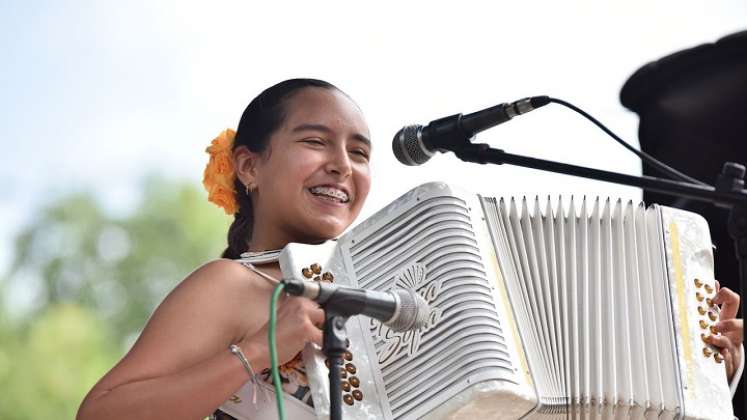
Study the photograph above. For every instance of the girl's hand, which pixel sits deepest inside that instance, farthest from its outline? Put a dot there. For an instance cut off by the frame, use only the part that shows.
(730, 329)
(299, 321)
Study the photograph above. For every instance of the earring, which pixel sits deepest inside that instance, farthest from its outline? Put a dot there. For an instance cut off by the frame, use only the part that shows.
(250, 187)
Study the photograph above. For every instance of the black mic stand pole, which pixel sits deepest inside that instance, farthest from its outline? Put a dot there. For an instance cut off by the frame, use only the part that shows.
(334, 348)
(334, 342)
(728, 193)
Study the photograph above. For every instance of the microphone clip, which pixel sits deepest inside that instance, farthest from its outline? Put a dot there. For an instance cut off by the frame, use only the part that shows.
(451, 131)
(476, 153)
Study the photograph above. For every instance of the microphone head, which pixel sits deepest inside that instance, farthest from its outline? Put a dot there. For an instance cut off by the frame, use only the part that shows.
(408, 146)
(413, 311)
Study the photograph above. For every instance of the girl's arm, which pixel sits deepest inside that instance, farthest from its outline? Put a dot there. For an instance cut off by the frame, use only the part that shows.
(180, 366)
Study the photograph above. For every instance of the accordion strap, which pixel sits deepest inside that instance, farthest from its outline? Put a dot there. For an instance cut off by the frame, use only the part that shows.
(738, 374)
(261, 257)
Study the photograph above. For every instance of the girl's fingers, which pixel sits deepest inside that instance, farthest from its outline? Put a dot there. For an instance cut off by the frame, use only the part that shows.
(318, 338)
(316, 315)
(729, 302)
(726, 348)
(720, 341)
(729, 361)
(732, 328)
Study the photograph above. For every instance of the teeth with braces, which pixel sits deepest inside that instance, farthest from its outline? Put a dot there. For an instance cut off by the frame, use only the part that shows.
(330, 192)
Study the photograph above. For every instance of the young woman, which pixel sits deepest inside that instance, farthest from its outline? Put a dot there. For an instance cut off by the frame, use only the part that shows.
(298, 168)
(295, 171)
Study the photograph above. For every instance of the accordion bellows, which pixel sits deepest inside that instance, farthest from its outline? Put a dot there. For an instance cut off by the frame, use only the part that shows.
(586, 310)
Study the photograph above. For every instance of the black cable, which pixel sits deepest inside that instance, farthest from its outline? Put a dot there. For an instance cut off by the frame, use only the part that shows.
(646, 158)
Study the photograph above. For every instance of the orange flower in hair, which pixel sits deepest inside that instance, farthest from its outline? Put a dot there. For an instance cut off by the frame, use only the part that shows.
(219, 175)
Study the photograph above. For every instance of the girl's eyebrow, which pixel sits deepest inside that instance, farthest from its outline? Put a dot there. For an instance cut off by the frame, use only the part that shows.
(323, 128)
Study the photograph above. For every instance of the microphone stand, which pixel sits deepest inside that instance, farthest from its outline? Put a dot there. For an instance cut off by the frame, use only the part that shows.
(334, 341)
(728, 193)
(334, 348)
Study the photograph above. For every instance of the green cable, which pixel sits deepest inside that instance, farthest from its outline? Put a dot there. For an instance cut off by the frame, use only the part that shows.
(274, 351)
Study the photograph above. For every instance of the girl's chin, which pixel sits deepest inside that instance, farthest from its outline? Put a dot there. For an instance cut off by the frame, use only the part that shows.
(325, 229)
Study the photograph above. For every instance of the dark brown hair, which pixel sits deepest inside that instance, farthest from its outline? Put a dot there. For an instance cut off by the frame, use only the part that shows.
(260, 119)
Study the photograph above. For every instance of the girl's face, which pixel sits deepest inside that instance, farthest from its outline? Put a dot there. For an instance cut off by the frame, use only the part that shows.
(314, 177)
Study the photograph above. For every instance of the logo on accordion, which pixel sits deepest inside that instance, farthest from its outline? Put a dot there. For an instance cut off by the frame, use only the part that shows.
(407, 342)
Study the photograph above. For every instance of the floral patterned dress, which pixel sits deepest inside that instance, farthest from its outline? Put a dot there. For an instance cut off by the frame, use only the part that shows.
(294, 383)
(292, 374)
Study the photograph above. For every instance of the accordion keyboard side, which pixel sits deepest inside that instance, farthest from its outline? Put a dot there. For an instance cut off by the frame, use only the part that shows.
(463, 354)
(690, 270)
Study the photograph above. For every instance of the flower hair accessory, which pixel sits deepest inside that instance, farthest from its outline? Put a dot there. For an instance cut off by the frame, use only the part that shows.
(219, 174)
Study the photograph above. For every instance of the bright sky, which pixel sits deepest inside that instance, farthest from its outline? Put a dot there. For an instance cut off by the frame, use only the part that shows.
(96, 93)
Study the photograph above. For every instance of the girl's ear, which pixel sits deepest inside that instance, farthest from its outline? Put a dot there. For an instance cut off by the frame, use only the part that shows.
(245, 162)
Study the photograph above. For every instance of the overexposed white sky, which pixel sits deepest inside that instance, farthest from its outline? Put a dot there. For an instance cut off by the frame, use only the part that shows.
(96, 93)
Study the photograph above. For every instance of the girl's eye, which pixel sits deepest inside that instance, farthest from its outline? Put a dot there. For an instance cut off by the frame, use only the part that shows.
(362, 153)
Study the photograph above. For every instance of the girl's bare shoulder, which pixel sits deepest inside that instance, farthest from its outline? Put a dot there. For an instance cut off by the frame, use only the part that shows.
(223, 280)
(216, 293)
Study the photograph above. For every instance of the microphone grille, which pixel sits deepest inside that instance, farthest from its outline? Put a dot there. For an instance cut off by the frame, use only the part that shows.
(413, 311)
(408, 148)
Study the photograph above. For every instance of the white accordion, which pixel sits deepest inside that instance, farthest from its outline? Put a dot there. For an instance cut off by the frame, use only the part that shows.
(597, 312)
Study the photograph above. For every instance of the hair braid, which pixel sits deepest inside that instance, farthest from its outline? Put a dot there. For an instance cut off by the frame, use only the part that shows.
(240, 230)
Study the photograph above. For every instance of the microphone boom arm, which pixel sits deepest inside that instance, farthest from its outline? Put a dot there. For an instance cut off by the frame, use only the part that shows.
(483, 154)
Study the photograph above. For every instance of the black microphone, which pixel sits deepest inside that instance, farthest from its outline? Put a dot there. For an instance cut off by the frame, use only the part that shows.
(414, 144)
(399, 309)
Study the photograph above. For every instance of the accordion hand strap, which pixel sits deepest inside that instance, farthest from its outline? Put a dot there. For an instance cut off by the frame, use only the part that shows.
(738, 374)
(261, 257)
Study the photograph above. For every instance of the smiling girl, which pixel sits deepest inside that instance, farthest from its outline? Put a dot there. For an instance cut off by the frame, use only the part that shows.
(296, 170)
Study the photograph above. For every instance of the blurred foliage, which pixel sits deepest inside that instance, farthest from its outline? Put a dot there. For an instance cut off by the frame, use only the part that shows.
(96, 279)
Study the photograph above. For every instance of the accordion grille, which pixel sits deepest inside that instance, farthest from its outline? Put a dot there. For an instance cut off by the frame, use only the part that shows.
(433, 249)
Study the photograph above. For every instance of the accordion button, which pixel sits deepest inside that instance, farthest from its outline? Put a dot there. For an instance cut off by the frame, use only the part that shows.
(316, 268)
(702, 310)
(355, 381)
(707, 352)
(704, 338)
(698, 283)
(703, 324)
(717, 357)
(306, 273)
(348, 399)
(698, 296)
(351, 368)
(713, 329)
(327, 276)
(709, 301)
(712, 316)
(708, 289)
(357, 394)
(348, 356)
(346, 386)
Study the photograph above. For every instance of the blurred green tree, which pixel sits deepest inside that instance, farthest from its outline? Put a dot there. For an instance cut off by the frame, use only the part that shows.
(95, 279)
